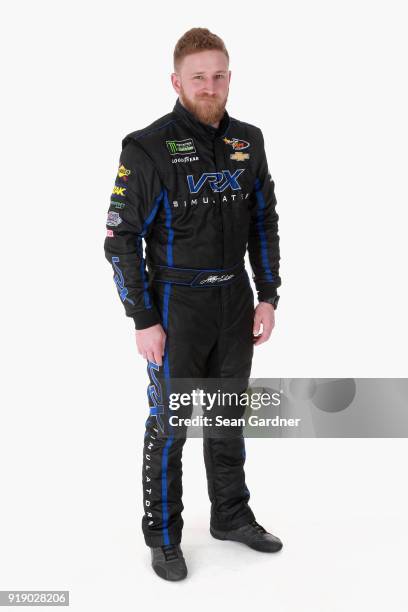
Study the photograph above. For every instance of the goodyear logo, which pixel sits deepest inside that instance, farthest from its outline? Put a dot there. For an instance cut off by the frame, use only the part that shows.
(123, 172)
(177, 147)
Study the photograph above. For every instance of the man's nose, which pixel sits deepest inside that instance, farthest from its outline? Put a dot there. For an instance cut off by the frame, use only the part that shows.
(209, 88)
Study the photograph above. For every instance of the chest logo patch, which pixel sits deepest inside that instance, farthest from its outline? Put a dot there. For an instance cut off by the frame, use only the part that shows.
(177, 147)
(238, 156)
(236, 143)
(218, 181)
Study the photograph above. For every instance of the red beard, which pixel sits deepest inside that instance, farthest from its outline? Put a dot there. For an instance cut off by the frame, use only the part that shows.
(207, 109)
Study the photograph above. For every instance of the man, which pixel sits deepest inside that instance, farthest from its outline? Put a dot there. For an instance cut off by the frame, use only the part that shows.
(195, 186)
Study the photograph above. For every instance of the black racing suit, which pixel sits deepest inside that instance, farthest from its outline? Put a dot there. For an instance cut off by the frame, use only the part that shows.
(199, 196)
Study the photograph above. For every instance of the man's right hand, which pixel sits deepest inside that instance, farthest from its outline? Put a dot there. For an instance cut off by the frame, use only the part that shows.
(150, 343)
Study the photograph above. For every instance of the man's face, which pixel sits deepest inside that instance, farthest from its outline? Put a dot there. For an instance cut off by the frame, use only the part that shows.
(202, 84)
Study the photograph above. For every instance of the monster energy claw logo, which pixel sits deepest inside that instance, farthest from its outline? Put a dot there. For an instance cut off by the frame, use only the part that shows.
(180, 146)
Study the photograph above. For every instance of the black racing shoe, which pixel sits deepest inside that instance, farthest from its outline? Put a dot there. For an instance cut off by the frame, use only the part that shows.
(168, 562)
(252, 534)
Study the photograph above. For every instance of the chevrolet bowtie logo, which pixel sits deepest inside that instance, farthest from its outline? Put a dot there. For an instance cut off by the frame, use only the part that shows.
(238, 156)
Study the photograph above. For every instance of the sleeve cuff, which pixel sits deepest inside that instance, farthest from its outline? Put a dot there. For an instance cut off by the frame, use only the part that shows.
(146, 318)
(267, 292)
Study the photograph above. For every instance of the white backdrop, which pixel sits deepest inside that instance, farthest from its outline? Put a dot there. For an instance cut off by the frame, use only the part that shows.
(326, 82)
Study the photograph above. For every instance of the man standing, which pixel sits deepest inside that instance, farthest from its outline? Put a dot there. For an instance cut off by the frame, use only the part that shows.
(195, 186)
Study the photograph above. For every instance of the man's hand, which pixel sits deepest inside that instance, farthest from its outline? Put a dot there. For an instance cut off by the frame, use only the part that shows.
(150, 343)
(265, 315)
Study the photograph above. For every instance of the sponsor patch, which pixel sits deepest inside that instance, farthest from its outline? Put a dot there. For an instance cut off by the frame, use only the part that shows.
(218, 181)
(236, 143)
(109, 234)
(119, 205)
(123, 173)
(175, 147)
(113, 219)
(187, 159)
(119, 191)
(238, 156)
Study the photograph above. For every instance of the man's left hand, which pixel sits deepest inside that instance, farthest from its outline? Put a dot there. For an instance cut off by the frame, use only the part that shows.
(264, 315)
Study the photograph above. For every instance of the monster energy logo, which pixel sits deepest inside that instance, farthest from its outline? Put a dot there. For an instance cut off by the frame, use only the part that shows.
(180, 146)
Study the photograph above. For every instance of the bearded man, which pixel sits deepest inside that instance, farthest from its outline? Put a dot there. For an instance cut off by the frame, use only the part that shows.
(195, 186)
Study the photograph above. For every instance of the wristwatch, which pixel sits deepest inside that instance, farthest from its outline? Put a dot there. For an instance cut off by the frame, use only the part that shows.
(272, 300)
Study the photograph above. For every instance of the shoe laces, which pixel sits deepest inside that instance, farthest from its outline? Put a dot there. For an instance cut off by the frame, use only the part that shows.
(170, 552)
(258, 527)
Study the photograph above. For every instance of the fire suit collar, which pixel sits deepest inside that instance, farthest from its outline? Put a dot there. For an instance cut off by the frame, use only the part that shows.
(202, 128)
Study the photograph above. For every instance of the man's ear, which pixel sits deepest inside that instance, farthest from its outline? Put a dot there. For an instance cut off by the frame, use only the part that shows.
(175, 81)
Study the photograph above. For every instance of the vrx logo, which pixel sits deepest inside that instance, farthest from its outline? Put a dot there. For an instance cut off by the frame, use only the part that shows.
(155, 394)
(120, 282)
(219, 181)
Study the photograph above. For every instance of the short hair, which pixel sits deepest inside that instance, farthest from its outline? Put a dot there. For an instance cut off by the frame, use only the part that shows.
(194, 40)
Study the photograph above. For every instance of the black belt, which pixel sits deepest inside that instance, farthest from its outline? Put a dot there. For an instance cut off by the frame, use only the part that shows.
(195, 277)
